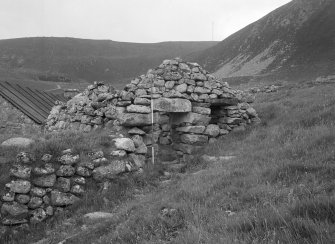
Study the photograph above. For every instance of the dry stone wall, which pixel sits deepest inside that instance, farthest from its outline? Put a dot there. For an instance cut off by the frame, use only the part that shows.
(13, 121)
(41, 188)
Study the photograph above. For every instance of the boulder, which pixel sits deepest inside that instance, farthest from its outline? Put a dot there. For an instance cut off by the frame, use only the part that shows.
(63, 184)
(38, 215)
(109, 171)
(125, 144)
(35, 202)
(138, 160)
(65, 170)
(20, 171)
(63, 199)
(17, 142)
(23, 199)
(83, 171)
(174, 105)
(37, 192)
(68, 159)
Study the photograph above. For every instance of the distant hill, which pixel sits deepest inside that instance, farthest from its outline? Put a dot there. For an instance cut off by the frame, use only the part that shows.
(295, 40)
(72, 60)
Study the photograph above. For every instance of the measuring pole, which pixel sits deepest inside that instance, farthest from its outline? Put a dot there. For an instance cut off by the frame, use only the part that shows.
(152, 124)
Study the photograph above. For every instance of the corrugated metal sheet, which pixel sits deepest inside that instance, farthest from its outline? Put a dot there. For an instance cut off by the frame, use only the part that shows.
(35, 104)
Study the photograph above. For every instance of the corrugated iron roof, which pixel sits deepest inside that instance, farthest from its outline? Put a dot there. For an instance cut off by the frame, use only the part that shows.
(34, 103)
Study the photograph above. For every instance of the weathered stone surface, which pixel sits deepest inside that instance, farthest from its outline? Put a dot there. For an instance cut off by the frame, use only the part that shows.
(19, 186)
(12, 222)
(45, 181)
(212, 130)
(46, 170)
(252, 112)
(35, 202)
(46, 158)
(141, 101)
(138, 160)
(77, 189)
(79, 180)
(83, 171)
(109, 171)
(8, 196)
(38, 215)
(37, 192)
(94, 217)
(63, 199)
(141, 149)
(14, 210)
(136, 131)
(65, 170)
(194, 139)
(63, 184)
(181, 88)
(193, 118)
(201, 110)
(99, 161)
(49, 210)
(201, 90)
(23, 199)
(20, 171)
(169, 84)
(197, 129)
(119, 153)
(125, 144)
(24, 158)
(138, 109)
(68, 159)
(175, 105)
(18, 142)
(135, 119)
(87, 164)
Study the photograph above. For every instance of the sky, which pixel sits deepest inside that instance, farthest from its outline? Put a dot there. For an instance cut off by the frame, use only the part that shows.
(144, 21)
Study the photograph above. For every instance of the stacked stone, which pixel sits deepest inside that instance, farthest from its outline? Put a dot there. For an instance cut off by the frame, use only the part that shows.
(85, 111)
(35, 193)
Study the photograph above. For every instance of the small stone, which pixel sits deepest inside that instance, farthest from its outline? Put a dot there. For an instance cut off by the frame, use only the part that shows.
(141, 149)
(19, 186)
(20, 171)
(49, 210)
(24, 158)
(138, 109)
(45, 181)
(46, 170)
(109, 171)
(77, 189)
(68, 159)
(67, 151)
(79, 180)
(38, 215)
(169, 84)
(181, 88)
(87, 164)
(96, 155)
(46, 158)
(65, 170)
(46, 200)
(83, 171)
(63, 199)
(138, 160)
(63, 184)
(136, 131)
(23, 199)
(94, 217)
(35, 202)
(212, 130)
(119, 153)
(142, 101)
(8, 197)
(194, 139)
(14, 209)
(99, 161)
(37, 191)
(201, 110)
(125, 144)
(224, 132)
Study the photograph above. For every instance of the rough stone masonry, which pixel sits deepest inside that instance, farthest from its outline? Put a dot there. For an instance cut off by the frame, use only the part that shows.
(190, 108)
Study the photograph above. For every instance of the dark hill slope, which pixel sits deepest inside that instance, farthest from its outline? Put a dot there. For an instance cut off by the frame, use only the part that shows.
(58, 59)
(295, 39)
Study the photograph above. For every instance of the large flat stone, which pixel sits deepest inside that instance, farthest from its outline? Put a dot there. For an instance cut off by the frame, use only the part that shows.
(174, 105)
(135, 119)
(193, 118)
(198, 129)
(194, 139)
(109, 171)
(18, 142)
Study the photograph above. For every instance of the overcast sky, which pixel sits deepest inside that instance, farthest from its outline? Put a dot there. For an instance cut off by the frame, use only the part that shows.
(131, 20)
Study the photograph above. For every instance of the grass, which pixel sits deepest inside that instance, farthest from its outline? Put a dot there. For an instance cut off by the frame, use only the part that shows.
(279, 189)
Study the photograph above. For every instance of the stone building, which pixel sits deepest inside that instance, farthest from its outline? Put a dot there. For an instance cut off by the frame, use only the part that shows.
(23, 111)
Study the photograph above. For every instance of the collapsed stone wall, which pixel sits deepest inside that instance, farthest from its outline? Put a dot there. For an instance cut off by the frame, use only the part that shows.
(13, 121)
(190, 107)
(41, 188)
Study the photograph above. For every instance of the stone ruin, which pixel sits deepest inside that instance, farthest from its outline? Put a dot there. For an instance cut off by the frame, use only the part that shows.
(190, 108)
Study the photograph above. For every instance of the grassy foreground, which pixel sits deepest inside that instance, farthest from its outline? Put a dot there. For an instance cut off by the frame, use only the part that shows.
(279, 188)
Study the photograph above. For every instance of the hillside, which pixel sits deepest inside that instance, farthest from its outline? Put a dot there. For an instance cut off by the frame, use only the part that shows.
(296, 40)
(72, 60)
